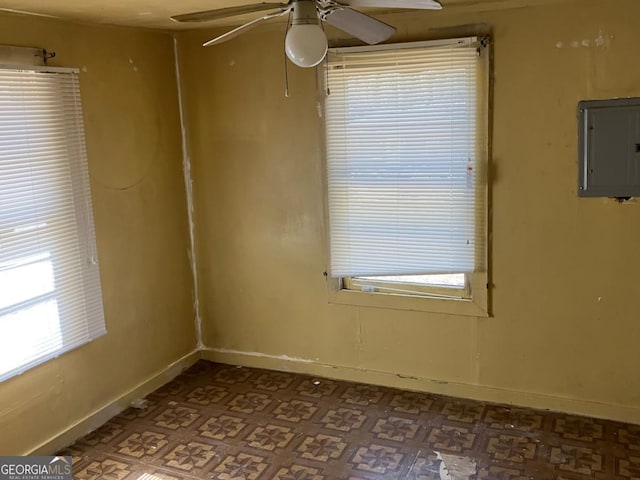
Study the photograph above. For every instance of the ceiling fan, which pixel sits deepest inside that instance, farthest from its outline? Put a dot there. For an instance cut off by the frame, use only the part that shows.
(305, 42)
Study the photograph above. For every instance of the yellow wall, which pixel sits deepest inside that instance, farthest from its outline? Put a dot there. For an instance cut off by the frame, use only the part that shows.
(566, 329)
(135, 162)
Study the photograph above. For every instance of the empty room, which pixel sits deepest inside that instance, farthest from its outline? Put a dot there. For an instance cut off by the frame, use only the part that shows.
(319, 239)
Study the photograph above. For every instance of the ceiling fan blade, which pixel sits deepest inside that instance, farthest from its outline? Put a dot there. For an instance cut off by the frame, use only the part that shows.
(359, 25)
(417, 4)
(244, 28)
(207, 15)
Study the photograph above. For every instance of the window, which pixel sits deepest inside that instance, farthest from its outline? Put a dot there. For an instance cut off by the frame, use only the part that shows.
(50, 300)
(406, 141)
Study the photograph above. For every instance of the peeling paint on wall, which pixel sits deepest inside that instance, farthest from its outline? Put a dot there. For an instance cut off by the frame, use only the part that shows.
(188, 183)
(601, 41)
(285, 358)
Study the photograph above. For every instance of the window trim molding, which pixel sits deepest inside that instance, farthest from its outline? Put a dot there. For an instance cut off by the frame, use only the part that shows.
(479, 305)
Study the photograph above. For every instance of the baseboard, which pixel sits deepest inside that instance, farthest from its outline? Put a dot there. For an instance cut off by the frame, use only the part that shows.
(620, 413)
(114, 407)
(284, 363)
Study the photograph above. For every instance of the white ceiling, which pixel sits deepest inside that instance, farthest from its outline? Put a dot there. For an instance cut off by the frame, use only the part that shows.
(156, 13)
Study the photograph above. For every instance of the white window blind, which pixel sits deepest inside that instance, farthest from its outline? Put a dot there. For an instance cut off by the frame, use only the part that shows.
(50, 298)
(404, 193)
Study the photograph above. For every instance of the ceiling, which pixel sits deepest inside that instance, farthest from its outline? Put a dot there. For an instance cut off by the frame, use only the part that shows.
(156, 13)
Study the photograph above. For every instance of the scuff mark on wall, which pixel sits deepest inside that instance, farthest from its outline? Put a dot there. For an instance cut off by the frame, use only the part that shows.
(286, 358)
(188, 183)
(27, 12)
(601, 41)
(359, 343)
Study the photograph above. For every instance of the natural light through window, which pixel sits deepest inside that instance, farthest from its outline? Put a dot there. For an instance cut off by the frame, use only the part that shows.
(28, 309)
(50, 299)
(453, 280)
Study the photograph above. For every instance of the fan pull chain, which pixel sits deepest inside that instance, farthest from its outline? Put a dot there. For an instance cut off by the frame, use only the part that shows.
(286, 67)
(326, 65)
(286, 78)
(326, 72)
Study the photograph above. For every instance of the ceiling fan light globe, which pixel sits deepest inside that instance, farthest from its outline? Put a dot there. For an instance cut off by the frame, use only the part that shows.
(306, 45)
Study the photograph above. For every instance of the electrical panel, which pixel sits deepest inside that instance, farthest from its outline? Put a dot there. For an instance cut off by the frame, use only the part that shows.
(609, 148)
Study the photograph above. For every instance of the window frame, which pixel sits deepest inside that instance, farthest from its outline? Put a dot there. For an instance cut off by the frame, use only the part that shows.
(476, 301)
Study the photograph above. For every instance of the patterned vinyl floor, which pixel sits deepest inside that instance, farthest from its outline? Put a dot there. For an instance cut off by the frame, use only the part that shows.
(223, 422)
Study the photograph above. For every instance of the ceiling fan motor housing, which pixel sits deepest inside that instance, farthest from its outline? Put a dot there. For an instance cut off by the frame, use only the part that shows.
(305, 13)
